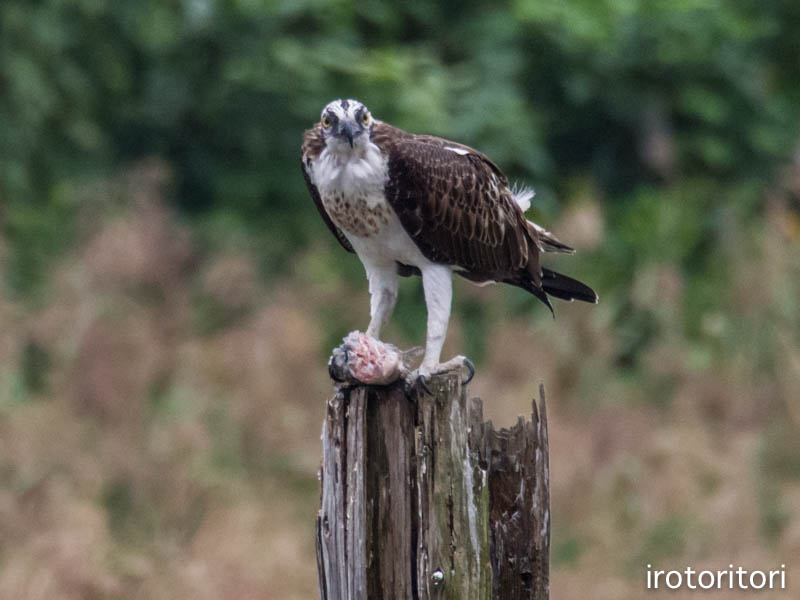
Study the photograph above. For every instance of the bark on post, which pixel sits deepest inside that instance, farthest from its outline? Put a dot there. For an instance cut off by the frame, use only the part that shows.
(422, 499)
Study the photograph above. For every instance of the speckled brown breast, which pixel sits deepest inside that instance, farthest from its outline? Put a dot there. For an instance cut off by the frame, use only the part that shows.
(354, 215)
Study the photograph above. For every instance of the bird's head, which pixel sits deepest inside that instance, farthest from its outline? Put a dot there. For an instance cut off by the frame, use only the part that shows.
(345, 125)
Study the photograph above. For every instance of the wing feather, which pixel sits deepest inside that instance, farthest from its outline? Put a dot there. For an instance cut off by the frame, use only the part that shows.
(456, 205)
(312, 146)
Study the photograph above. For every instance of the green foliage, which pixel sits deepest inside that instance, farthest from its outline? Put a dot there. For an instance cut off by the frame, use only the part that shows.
(117, 498)
(665, 538)
(778, 463)
(780, 453)
(223, 91)
(567, 552)
(35, 364)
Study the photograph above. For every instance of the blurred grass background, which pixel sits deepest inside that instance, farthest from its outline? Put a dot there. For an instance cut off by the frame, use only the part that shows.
(169, 294)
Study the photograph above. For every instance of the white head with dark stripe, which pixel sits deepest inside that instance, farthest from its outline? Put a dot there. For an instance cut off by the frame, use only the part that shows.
(345, 125)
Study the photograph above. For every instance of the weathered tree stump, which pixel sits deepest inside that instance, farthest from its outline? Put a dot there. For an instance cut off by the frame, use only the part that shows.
(421, 499)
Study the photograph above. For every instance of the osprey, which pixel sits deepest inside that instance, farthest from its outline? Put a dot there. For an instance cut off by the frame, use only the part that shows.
(417, 204)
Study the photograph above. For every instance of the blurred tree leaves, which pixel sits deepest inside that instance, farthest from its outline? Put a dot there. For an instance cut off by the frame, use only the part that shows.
(670, 109)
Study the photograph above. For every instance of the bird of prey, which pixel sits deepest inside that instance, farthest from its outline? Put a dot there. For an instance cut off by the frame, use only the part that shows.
(410, 204)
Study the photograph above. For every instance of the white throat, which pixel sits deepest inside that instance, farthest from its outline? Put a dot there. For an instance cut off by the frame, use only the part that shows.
(361, 170)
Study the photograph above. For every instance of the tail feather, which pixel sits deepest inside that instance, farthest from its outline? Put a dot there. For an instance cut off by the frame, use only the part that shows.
(566, 288)
(546, 241)
(556, 285)
(527, 284)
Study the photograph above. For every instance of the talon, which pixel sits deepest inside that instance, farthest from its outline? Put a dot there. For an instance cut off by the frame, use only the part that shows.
(414, 383)
(333, 371)
(423, 382)
(408, 388)
(471, 366)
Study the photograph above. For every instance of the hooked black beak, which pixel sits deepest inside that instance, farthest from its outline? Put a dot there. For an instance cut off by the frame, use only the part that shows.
(349, 130)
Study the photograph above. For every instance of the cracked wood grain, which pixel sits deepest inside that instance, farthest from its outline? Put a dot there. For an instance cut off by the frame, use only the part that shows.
(422, 499)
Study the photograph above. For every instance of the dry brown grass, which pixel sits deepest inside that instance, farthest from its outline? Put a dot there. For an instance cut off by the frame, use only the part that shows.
(147, 454)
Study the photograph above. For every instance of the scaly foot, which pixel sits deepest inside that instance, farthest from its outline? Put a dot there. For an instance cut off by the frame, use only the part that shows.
(419, 378)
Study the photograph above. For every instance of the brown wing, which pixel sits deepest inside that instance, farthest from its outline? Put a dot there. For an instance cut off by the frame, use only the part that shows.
(456, 206)
(313, 143)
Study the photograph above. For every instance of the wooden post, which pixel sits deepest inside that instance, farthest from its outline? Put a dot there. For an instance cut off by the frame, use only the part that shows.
(421, 499)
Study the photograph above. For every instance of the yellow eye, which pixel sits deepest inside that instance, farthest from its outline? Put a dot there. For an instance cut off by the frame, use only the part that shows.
(365, 118)
(326, 122)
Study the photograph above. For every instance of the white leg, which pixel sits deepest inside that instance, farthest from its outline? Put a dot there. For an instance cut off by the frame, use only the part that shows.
(437, 281)
(383, 295)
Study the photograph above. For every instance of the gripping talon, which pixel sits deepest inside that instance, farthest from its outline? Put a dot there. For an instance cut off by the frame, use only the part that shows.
(415, 383)
(471, 366)
(422, 381)
(331, 372)
(334, 369)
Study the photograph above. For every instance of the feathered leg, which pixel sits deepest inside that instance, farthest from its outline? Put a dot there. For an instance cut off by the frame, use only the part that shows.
(437, 282)
(363, 357)
(383, 295)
